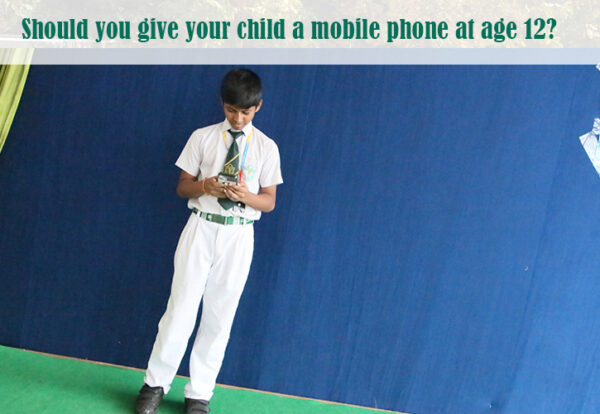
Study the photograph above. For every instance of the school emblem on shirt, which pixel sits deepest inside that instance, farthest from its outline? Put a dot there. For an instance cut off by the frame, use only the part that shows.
(249, 173)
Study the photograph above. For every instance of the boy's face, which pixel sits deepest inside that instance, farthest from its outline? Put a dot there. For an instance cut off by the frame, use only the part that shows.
(240, 117)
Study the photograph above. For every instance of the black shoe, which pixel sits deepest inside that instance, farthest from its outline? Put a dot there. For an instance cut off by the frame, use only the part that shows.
(148, 400)
(196, 406)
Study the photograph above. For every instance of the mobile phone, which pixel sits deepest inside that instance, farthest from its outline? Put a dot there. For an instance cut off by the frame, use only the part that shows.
(228, 179)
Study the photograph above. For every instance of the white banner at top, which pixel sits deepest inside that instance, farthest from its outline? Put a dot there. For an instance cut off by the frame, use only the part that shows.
(296, 24)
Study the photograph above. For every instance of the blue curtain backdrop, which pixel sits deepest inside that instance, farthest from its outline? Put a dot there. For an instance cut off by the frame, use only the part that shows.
(433, 249)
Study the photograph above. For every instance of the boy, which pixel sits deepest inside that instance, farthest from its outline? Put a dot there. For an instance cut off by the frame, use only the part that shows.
(230, 172)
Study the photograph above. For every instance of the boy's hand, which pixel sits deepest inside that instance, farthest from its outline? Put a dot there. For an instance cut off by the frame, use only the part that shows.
(214, 188)
(236, 192)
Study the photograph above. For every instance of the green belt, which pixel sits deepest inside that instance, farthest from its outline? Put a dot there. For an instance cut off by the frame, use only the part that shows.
(216, 218)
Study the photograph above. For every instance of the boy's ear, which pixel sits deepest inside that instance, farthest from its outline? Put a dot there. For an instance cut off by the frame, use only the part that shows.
(258, 106)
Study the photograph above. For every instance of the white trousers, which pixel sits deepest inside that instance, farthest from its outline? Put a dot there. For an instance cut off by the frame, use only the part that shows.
(212, 262)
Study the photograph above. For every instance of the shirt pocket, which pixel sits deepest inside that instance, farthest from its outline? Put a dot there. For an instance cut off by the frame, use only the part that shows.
(251, 170)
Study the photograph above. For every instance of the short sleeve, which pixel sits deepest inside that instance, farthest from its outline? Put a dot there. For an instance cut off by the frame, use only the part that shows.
(189, 159)
(271, 170)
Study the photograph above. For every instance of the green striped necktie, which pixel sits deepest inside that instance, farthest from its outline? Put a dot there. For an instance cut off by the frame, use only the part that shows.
(231, 168)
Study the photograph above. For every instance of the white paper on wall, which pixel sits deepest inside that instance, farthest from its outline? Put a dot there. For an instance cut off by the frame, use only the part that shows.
(591, 145)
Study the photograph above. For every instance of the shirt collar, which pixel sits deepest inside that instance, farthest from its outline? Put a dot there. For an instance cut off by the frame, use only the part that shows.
(247, 129)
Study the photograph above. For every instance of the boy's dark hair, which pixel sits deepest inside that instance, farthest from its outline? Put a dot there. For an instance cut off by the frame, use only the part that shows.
(241, 88)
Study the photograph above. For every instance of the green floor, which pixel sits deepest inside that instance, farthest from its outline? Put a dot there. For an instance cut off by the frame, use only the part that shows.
(34, 383)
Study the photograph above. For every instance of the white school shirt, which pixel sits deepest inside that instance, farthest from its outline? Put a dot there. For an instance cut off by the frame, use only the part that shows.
(204, 156)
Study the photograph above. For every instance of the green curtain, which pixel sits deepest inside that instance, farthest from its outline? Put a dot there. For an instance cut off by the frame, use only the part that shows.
(13, 74)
